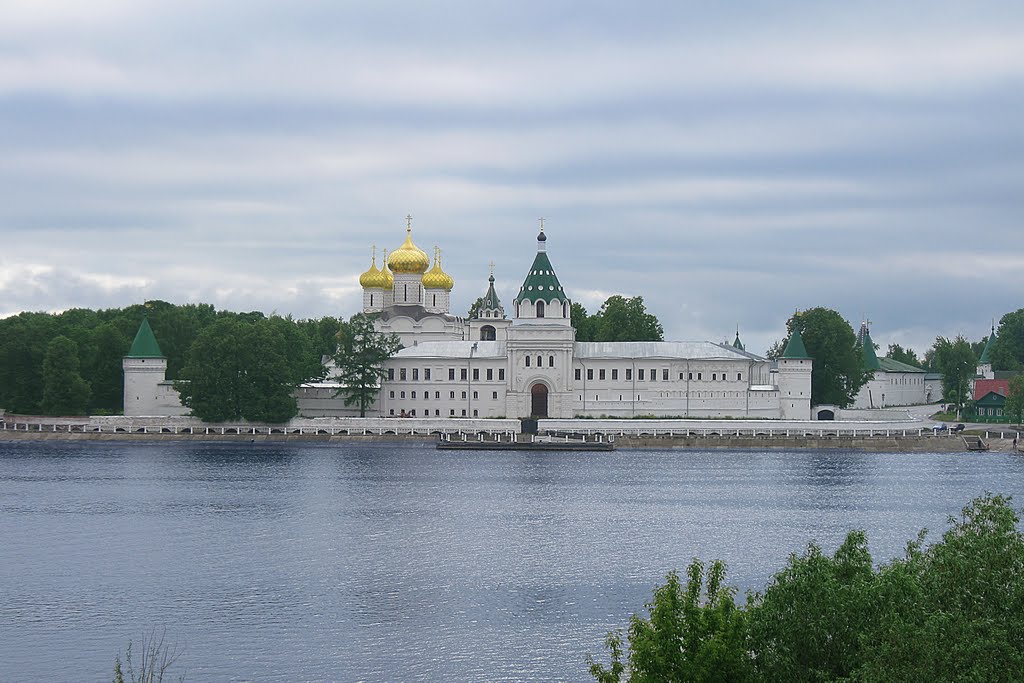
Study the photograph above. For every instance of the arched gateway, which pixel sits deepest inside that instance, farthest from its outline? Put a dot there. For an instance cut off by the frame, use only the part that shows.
(539, 402)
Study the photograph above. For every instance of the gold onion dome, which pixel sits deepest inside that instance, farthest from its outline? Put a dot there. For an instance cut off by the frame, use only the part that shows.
(374, 277)
(386, 278)
(409, 258)
(435, 278)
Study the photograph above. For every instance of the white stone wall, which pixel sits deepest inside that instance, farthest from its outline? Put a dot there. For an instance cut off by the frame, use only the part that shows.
(892, 389)
(145, 390)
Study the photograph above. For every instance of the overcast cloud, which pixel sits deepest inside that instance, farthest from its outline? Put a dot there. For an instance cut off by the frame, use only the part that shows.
(729, 162)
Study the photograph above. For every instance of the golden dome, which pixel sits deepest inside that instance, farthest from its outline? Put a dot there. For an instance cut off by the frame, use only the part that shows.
(374, 277)
(435, 278)
(386, 278)
(409, 258)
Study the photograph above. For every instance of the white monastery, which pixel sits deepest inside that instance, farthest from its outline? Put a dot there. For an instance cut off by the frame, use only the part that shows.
(526, 365)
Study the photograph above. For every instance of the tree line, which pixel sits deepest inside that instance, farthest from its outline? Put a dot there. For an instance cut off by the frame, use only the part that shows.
(948, 612)
(70, 363)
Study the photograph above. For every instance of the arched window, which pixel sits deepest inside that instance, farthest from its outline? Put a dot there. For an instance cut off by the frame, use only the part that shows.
(527, 361)
(435, 300)
(488, 333)
(540, 309)
(551, 361)
(405, 288)
(565, 309)
(371, 299)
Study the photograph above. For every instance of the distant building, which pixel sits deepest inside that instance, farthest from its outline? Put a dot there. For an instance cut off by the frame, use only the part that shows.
(146, 389)
(893, 383)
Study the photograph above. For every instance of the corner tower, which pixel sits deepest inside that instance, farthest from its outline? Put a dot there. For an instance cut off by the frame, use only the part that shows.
(146, 389)
(490, 323)
(541, 298)
(795, 380)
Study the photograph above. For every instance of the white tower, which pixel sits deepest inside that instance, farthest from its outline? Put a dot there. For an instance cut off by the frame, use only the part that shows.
(795, 380)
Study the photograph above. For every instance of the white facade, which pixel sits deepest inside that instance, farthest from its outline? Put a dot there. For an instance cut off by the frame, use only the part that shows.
(147, 390)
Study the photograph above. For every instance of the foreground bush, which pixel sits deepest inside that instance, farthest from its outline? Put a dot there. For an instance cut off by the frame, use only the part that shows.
(953, 611)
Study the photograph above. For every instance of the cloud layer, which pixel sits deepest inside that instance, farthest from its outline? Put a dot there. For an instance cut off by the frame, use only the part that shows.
(730, 164)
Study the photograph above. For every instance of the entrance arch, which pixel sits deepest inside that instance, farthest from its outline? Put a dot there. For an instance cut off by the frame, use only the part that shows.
(826, 414)
(539, 400)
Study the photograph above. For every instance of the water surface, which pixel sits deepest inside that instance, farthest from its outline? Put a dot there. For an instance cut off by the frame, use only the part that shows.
(388, 561)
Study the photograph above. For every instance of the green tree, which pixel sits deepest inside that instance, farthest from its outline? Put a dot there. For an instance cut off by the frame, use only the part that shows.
(809, 622)
(23, 342)
(952, 612)
(695, 633)
(106, 376)
(898, 353)
(64, 390)
(838, 372)
(362, 352)
(1008, 351)
(1015, 399)
(582, 322)
(626, 319)
(239, 369)
(958, 364)
(474, 308)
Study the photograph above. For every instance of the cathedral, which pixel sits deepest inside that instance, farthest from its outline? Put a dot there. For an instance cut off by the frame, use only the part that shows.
(526, 365)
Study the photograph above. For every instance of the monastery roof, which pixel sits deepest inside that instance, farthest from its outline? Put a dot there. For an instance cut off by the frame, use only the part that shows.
(986, 354)
(697, 350)
(453, 349)
(890, 365)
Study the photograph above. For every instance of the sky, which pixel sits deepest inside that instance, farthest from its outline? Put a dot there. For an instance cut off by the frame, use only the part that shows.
(729, 162)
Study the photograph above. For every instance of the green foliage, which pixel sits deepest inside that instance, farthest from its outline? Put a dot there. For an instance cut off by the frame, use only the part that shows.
(620, 319)
(240, 369)
(1008, 351)
(474, 308)
(696, 633)
(360, 358)
(808, 622)
(64, 390)
(1015, 399)
(950, 612)
(958, 364)
(838, 372)
(898, 353)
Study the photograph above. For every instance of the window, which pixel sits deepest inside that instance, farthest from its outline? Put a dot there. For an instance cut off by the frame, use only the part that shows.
(600, 373)
(412, 412)
(714, 376)
(688, 376)
(629, 374)
(451, 394)
(451, 374)
(654, 374)
(463, 412)
(437, 394)
(463, 395)
(551, 361)
(415, 374)
(640, 374)
(501, 374)
(452, 412)
(402, 395)
(527, 361)
(476, 374)
(392, 411)
(540, 362)
(590, 374)
(413, 395)
(494, 395)
(490, 374)
(426, 374)
(437, 413)
(476, 413)
(476, 395)
(401, 374)
(615, 373)
(391, 373)
(664, 374)
(579, 374)
(392, 395)
(540, 309)
(739, 377)
(698, 375)
(565, 309)
(463, 374)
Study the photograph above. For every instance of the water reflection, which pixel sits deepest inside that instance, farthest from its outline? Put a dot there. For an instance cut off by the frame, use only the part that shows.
(393, 561)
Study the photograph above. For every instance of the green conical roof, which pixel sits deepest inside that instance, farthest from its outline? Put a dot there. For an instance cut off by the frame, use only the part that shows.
(795, 347)
(145, 345)
(986, 355)
(870, 358)
(491, 297)
(736, 343)
(541, 283)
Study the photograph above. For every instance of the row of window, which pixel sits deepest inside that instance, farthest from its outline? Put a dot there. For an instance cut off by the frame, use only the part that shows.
(679, 394)
(405, 373)
(641, 374)
(437, 412)
(437, 395)
(540, 361)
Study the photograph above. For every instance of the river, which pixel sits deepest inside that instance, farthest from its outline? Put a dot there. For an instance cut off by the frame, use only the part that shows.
(392, 561)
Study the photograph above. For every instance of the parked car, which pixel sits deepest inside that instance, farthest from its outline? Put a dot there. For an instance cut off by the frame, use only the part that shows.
(959, 428)
(939, 428)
